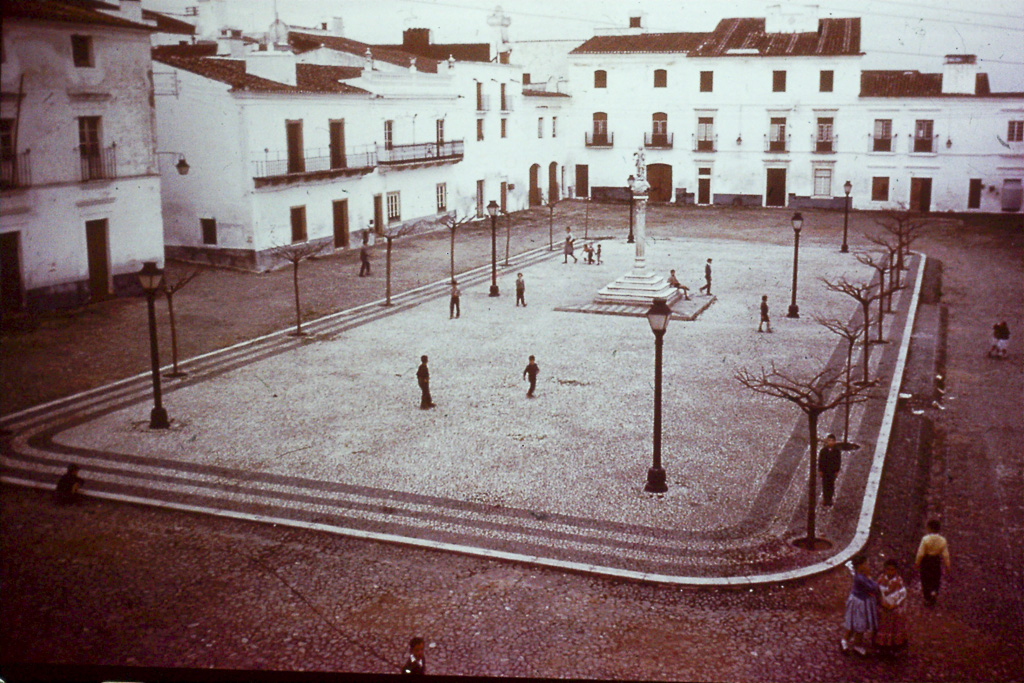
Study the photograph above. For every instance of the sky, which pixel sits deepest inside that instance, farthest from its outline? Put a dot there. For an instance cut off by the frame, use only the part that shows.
(896, 34)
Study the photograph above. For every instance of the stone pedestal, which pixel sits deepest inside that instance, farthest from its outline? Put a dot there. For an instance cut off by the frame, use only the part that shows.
(640, 286)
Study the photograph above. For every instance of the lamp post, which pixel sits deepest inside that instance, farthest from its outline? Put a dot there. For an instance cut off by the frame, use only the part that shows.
(847, 186)
(798, 222)
(150, 277)
(658, 317)
(629, 237)
(492, 209)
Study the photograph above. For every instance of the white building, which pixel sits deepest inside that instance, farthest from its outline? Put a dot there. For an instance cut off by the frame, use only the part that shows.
(80, 183)
(777, 112)
(314, 139)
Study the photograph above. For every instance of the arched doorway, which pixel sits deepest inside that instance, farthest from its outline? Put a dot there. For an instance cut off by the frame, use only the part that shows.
(535, 185)
(660, 178)
(553, 182)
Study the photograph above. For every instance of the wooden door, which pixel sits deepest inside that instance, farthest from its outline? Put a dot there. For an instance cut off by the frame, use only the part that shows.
(340, 223)
(10, 272)
(703, 190)
(337, 133)
(378, 214)
(296, 156)
(660, 178)
(921, 194)
(775, 194)
(582, 180)
(98, 257)
(535, 185)
(553, 193)
(974, 194)
(504, 197)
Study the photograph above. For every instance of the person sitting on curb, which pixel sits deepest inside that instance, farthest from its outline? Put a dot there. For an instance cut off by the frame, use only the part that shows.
(68, 485)
(674, 281)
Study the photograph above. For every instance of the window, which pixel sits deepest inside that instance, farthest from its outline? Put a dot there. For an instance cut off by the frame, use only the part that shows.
(659, 129)
(823, 182)
(540, 127)
(526, 79)
(825, 81)
(600, 79)
(777, 134)
(974, 194)
(89, 148)
(923, 139)
(479, 198)
(394, 207)
(479, 96)
(883, 135)
(442, 197)
(823, 142)
(707, 81)
(504, 128)
(554, 126)
(600, 128)
(705, 134)
(81, 51)
(660, 78)
(439, 131)
(337, 140)
(293, 137)
(1015, 131)
(880, 189)
(635, 22)
(209, 227)
(389, 135)
(778, 81)
(298, 224)
(479, 129)
(504, 98)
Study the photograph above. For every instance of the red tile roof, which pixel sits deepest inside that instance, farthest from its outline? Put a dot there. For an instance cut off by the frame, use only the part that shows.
(917, 84)
(543, 93)
(309, 78)
(644, 42)
(64, 12)
(833, 37)
(303, 41)
(463, 52)
(166, 24)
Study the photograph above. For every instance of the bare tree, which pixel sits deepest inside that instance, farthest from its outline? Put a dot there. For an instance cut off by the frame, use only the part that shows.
(849, 331)
(864, 293)
(296, 254)
(452, 221)
(880, 262)
(813, 396)
(508, 234)
(891, 247)
(390, 233)
(171, 287)
(906, 226)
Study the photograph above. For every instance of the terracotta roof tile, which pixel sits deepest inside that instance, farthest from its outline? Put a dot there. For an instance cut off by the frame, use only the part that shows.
(64, 12)
(644, 42)
(309, 41)
(543, 93)
(310, 78)
(917, 84)
(833, 37)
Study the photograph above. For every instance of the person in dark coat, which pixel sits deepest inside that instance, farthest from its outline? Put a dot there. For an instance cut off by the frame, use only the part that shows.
(68, 486)
(416, 665)
(364, 260)
(454, 310)
(707, 278)
(829, 461)
(423, 377)
(531, 372)
(520, 289)
(765, 320)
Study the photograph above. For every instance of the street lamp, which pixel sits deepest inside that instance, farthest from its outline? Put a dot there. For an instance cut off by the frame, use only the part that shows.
(658, 317)
(847, 186)
(632, 193)
(151, 278)
(492, 209)
(798, 222)
(182, 166)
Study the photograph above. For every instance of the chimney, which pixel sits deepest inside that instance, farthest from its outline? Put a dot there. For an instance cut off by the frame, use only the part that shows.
(414, 39)
(274, 65)
(338, 27)
(131, 10)
(960, 75)
(230, 43)
(791, 19)
(368, 60)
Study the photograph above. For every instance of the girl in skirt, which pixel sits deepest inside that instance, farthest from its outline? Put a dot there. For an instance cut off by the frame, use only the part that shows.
(891, 635)
(861, 609)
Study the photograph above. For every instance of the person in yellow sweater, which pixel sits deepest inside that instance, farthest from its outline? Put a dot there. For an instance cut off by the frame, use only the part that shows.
(931, 555)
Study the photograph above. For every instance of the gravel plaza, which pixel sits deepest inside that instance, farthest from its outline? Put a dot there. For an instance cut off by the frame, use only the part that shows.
(325, 432)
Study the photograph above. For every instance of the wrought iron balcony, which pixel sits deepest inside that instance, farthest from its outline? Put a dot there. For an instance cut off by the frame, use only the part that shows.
(780, 144)
(924, 145)
(599, 139)
(15, 171)
(98, 163)
(880, 144)
(824, 145)
(483, 103)
(322, 162)
(506, 104)
(451, 150)
(705, 144)
(658, 140)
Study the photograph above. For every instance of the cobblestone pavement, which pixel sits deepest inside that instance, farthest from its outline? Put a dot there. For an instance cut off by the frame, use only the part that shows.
(80, 586)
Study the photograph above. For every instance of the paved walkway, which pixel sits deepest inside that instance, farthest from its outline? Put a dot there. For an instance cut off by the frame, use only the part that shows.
(322, 431)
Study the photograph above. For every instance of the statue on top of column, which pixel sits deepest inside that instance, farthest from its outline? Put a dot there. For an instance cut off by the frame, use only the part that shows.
(638, 183)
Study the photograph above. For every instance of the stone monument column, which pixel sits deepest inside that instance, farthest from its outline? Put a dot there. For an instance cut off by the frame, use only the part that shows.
(638, 189)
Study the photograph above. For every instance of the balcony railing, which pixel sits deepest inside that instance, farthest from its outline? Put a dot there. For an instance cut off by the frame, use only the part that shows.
(15, 171)
(599, 139)
(824, 145)
(424, 151)
(483, 103)
(313, 161)
(778, 144)
(658, 140)
(506, 104)
(924, 145)
(98, 164)
(877, 144)
(705, 144)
